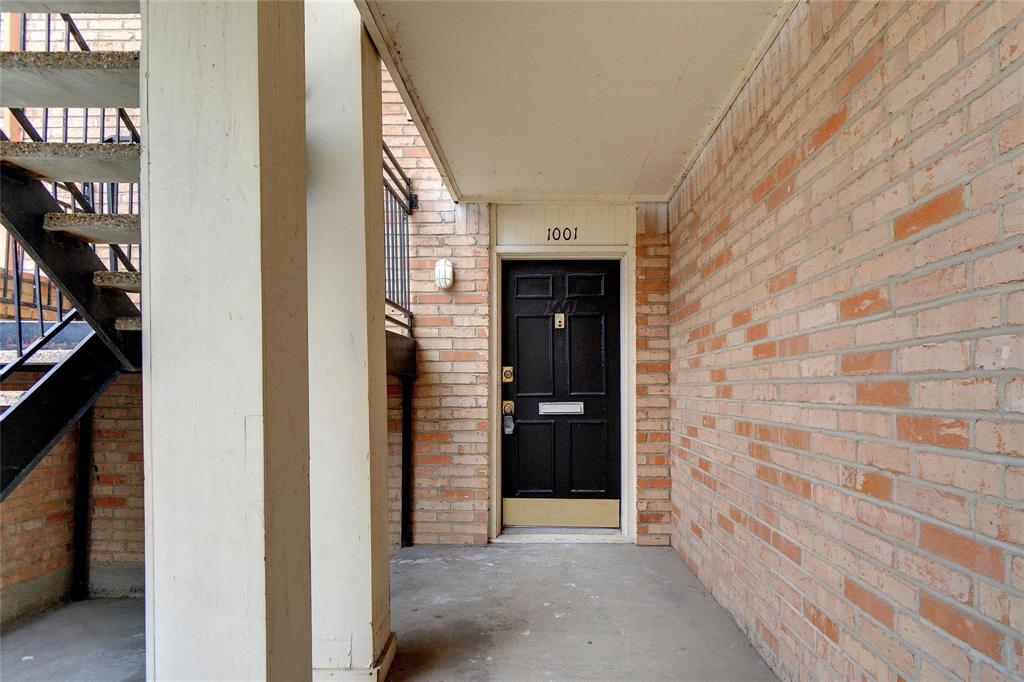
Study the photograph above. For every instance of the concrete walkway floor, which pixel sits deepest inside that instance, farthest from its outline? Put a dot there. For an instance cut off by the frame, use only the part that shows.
(501, 612)
(100, 639)
(560, 612)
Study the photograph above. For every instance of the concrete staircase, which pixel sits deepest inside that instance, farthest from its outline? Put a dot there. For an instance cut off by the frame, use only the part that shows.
(62, 243)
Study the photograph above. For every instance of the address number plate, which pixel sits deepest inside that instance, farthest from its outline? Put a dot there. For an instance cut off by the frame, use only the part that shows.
(560, 408)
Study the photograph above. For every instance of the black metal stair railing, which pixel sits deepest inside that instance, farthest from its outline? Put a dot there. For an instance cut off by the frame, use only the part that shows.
(52, 317)
(35, 315)
(33, 311)
(111, 125)
(399, 203)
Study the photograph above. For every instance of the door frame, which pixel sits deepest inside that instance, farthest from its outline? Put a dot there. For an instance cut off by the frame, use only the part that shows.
(625, 254)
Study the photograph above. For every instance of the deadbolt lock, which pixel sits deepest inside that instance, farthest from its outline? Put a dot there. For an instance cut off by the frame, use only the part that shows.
(508, 407)
(507, 375)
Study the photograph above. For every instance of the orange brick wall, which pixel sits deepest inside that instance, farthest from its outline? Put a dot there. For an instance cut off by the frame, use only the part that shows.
(450, 450)
(117, 534)
(848, 343)
(36, 525)
(37, 520)
(652, 375)
(394, 463)
(38, 516)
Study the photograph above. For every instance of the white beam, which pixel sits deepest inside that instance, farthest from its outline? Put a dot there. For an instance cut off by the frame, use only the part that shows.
(348, 430)
(225, 347)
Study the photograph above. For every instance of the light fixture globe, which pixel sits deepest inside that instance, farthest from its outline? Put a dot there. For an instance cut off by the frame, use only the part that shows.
(444, 273)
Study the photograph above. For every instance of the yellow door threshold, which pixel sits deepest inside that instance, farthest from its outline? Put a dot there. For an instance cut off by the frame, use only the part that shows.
(561, 513)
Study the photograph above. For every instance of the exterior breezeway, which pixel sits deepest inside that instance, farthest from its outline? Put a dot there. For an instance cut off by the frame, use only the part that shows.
(500, 612)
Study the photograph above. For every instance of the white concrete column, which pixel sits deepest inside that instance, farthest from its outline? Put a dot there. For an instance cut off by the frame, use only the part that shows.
(347, 407)
(224, 327)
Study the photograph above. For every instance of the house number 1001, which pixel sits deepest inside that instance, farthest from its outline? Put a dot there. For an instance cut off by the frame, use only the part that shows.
(563, 234)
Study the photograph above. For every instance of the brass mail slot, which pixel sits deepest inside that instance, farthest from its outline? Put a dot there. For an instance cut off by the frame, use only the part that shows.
(560, 408)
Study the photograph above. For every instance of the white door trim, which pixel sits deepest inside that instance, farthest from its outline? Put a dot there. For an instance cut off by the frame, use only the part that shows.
(626, 255)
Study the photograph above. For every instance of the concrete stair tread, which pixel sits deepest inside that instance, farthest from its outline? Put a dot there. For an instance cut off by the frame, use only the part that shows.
(123, 228)
(72, 6)
(121, 279)
(69, 79)
(40, 357)
(75, 162)
(8, 398)
(128, 324)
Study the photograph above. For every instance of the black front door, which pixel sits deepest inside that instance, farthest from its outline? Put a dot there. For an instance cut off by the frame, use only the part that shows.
(560, 378)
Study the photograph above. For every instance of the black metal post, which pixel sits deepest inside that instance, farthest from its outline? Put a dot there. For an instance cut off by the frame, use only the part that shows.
(83, 508)
(407, 460)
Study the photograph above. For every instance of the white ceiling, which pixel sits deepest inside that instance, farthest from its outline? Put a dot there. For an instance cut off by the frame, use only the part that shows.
(569, 100)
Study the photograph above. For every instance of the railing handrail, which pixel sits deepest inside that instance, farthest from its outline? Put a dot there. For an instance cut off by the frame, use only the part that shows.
(84, 47)
(55, 329)
(86, 197)
(399, 203)
(401, 185)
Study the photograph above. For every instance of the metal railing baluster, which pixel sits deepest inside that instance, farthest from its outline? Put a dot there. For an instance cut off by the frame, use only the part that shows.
(49, 307)
(399, 203)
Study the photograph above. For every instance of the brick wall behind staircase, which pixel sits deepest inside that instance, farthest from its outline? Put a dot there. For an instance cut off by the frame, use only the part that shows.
(117, 535)
(36, 525)
(37, 520)
(394, 463)
(848, 344)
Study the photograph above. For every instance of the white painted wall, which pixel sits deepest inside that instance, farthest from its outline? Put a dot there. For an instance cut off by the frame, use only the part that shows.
(587, 224)
(225, 374)
(348, 428)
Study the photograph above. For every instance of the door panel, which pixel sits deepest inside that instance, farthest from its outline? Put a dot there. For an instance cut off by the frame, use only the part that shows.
(535, 457)
(588, 442)
(585, 354)
(574, 455)
(534, 355)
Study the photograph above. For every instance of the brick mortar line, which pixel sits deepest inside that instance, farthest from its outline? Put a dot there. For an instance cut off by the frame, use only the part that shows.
(1008, 548)
(967, 258)
(970, 496)
(895, 411)
(973, 372)
(777, 103)
(751, 590)
(964, 257)
(992, 124)
(766, 652)
(914, 341)
(852, 631)
(998, 160)
(868, 530)
(998, 374)
(785, 138)
(958, 453)
(913, 649)
(725, 549)
(895, 604)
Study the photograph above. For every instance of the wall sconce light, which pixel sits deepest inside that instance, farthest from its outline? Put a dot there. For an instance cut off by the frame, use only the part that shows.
(444, 273)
